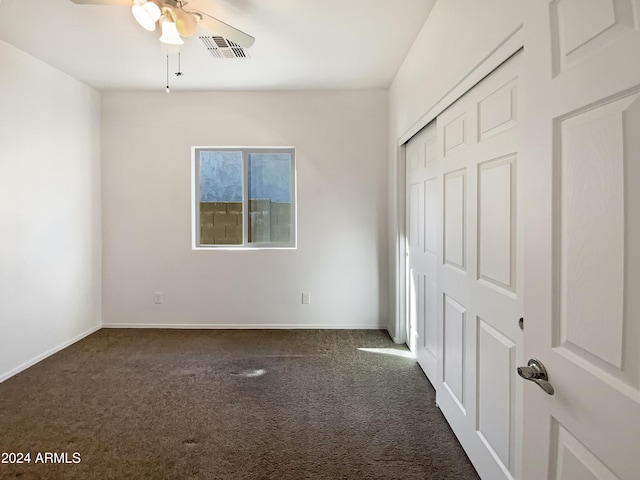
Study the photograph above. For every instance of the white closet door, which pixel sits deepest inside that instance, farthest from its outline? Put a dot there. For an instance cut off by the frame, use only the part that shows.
(582, 271)
(423, 219)
(465, 261)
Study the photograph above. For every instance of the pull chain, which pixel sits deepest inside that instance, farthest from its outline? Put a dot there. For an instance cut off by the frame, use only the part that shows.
(179, 72)
(168, 90)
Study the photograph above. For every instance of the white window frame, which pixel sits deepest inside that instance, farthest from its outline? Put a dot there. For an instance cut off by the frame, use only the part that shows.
(195, 200)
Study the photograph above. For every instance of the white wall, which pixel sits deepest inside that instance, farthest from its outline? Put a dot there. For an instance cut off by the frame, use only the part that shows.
(456, 38)
(341, 145)
(50, 237)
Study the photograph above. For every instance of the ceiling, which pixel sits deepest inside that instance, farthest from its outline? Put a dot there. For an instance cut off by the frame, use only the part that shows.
(300, 44)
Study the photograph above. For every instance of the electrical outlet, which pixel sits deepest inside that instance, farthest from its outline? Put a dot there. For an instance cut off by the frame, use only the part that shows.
(157, 297)
(306, 298)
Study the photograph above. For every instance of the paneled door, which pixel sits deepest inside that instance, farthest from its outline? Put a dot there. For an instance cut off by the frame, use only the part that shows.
(465, 249)
(581, 159)
(423, 220)
(480, 284)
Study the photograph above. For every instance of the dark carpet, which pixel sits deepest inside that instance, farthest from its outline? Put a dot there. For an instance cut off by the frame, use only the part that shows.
(227, 404)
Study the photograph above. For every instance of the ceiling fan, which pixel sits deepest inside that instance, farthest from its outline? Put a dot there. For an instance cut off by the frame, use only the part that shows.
(175, 21)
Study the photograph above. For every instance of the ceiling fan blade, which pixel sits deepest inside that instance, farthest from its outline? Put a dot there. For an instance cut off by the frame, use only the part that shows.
(223, 29)
(103, 2)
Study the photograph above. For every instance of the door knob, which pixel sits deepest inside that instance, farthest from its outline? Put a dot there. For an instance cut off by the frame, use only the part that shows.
(535, 372)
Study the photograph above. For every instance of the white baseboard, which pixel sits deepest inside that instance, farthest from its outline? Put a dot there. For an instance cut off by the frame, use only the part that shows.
(48, 353)
(395, 339)
(236, 326)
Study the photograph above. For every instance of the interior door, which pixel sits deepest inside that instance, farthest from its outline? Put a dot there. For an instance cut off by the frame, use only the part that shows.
(422, 223)
(480, 284)
(582, 254)
(465, 250)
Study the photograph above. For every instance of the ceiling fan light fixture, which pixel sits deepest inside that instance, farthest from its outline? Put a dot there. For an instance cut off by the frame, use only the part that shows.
(146, 14)
(170, 34)
(186, 23)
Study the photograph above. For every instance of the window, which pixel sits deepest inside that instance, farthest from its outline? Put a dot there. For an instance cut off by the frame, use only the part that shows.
(244, 197)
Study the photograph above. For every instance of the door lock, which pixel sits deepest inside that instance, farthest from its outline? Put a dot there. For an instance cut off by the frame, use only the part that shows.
(535, 372)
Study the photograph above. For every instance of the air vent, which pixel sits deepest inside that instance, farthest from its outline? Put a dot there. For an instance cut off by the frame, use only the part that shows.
(220, 47)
